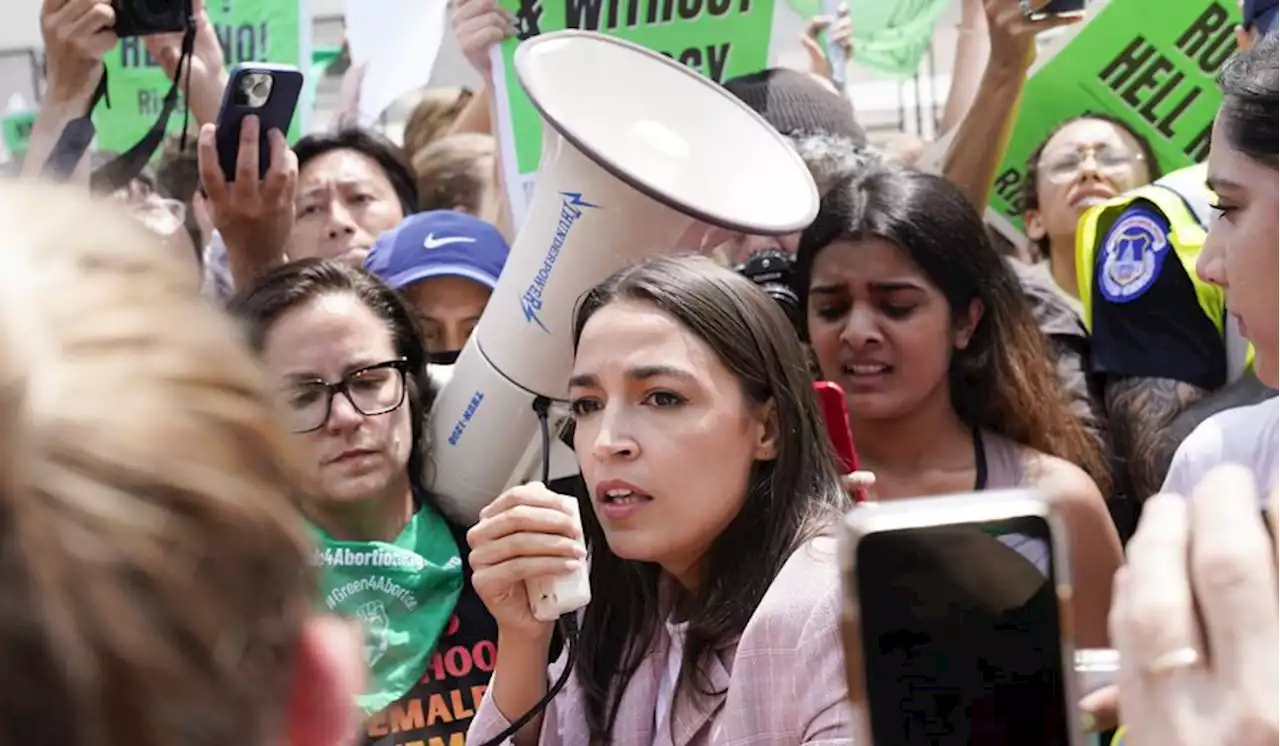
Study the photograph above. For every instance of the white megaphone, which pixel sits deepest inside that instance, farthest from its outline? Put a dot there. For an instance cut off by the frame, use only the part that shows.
(637, 148)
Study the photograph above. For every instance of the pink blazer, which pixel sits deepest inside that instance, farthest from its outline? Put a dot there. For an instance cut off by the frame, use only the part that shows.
(783, 679)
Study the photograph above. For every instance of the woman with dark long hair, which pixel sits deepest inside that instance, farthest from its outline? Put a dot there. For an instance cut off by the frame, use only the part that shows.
(950, 385)
(716, 594)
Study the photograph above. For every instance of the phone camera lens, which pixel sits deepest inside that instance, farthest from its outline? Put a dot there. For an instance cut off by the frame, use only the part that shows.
(253, 90)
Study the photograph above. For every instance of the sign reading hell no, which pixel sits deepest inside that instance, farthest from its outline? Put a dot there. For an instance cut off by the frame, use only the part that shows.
(248, 31)
(1149, 63)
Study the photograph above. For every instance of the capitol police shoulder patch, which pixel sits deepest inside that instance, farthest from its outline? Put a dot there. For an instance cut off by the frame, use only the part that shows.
(1132, 254)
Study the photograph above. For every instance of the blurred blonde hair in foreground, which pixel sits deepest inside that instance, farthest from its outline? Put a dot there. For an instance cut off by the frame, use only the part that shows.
(154, 577)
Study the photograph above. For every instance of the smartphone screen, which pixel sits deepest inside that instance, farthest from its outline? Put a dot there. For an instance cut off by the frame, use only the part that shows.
(961, 636)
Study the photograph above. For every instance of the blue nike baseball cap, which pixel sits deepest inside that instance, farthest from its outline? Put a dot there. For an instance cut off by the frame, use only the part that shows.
(1261, 15)
(440, 243)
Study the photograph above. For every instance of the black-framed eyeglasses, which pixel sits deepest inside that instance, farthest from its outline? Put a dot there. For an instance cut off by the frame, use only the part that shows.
(372, 390)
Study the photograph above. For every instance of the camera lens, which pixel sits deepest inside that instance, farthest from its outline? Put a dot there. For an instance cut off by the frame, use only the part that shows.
(771, 267)
(771, 272)
(253, 90)
(153, 10)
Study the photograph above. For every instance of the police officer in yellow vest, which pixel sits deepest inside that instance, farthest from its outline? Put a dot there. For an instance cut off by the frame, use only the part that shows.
(1148, 397)
(1168, 353)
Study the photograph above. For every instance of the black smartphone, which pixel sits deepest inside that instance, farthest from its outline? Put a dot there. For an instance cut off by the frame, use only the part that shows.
(955, 630)
(1061, 8)
(268, 91)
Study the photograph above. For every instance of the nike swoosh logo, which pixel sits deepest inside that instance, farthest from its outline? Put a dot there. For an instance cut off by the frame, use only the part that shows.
(432, 242)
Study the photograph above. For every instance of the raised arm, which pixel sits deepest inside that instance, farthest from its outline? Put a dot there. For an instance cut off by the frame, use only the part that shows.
(983, 134)
(478, 25)
(1150, 417)
(208, 66)
(77, 35)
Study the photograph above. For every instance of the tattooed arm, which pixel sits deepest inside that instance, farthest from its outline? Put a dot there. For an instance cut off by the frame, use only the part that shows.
(1140, 411)
(1150, 417)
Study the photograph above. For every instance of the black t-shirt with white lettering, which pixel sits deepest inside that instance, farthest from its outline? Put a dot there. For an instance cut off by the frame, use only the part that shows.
(438, 710)
(1147, 320)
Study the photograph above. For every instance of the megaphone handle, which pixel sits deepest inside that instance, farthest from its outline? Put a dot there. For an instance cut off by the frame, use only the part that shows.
(553, 596)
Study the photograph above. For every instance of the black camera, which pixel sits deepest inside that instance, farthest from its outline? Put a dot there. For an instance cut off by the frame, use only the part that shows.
(145, 17)
(771, 271)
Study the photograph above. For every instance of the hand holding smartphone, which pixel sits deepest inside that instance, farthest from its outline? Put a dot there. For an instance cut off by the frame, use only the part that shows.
(266, 91)
(957, 621)
(248, 172)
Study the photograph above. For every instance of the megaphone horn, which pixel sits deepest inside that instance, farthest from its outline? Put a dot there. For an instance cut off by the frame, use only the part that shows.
(637, 148)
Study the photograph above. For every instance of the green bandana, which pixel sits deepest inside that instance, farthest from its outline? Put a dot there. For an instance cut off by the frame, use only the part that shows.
(403, 594)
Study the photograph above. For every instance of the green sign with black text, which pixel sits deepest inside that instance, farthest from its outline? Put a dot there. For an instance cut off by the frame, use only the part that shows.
(719, 38)
(1150, 63)
(249, 30)
(890, 37)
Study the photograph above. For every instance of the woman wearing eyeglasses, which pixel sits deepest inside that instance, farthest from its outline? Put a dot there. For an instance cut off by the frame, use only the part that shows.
(349, 368)
(1082, 162)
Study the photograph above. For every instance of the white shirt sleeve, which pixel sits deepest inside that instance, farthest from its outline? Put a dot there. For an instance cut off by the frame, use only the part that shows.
(1245, 436)
(1192, 460)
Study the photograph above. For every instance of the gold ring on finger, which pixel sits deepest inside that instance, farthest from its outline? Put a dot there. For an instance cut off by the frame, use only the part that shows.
(1173, 660)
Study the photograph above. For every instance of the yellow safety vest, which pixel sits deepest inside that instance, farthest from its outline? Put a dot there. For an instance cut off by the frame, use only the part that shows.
(1185, 202)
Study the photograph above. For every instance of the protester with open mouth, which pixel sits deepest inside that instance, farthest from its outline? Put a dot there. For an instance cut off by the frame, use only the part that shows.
(714, 581)
(949, 384)
(1083, 162)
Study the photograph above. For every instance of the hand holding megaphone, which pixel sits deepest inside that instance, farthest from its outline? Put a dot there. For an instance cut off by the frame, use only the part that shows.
(526, 536)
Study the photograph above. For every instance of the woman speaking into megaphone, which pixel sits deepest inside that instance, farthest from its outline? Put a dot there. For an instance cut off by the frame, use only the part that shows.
(714, 583)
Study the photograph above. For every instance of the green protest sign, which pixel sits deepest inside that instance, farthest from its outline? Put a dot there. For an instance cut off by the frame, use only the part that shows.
(719, 38)
(1150, 63)
(889, 36)
(249, 30)
(321, 60)
(17, 132)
